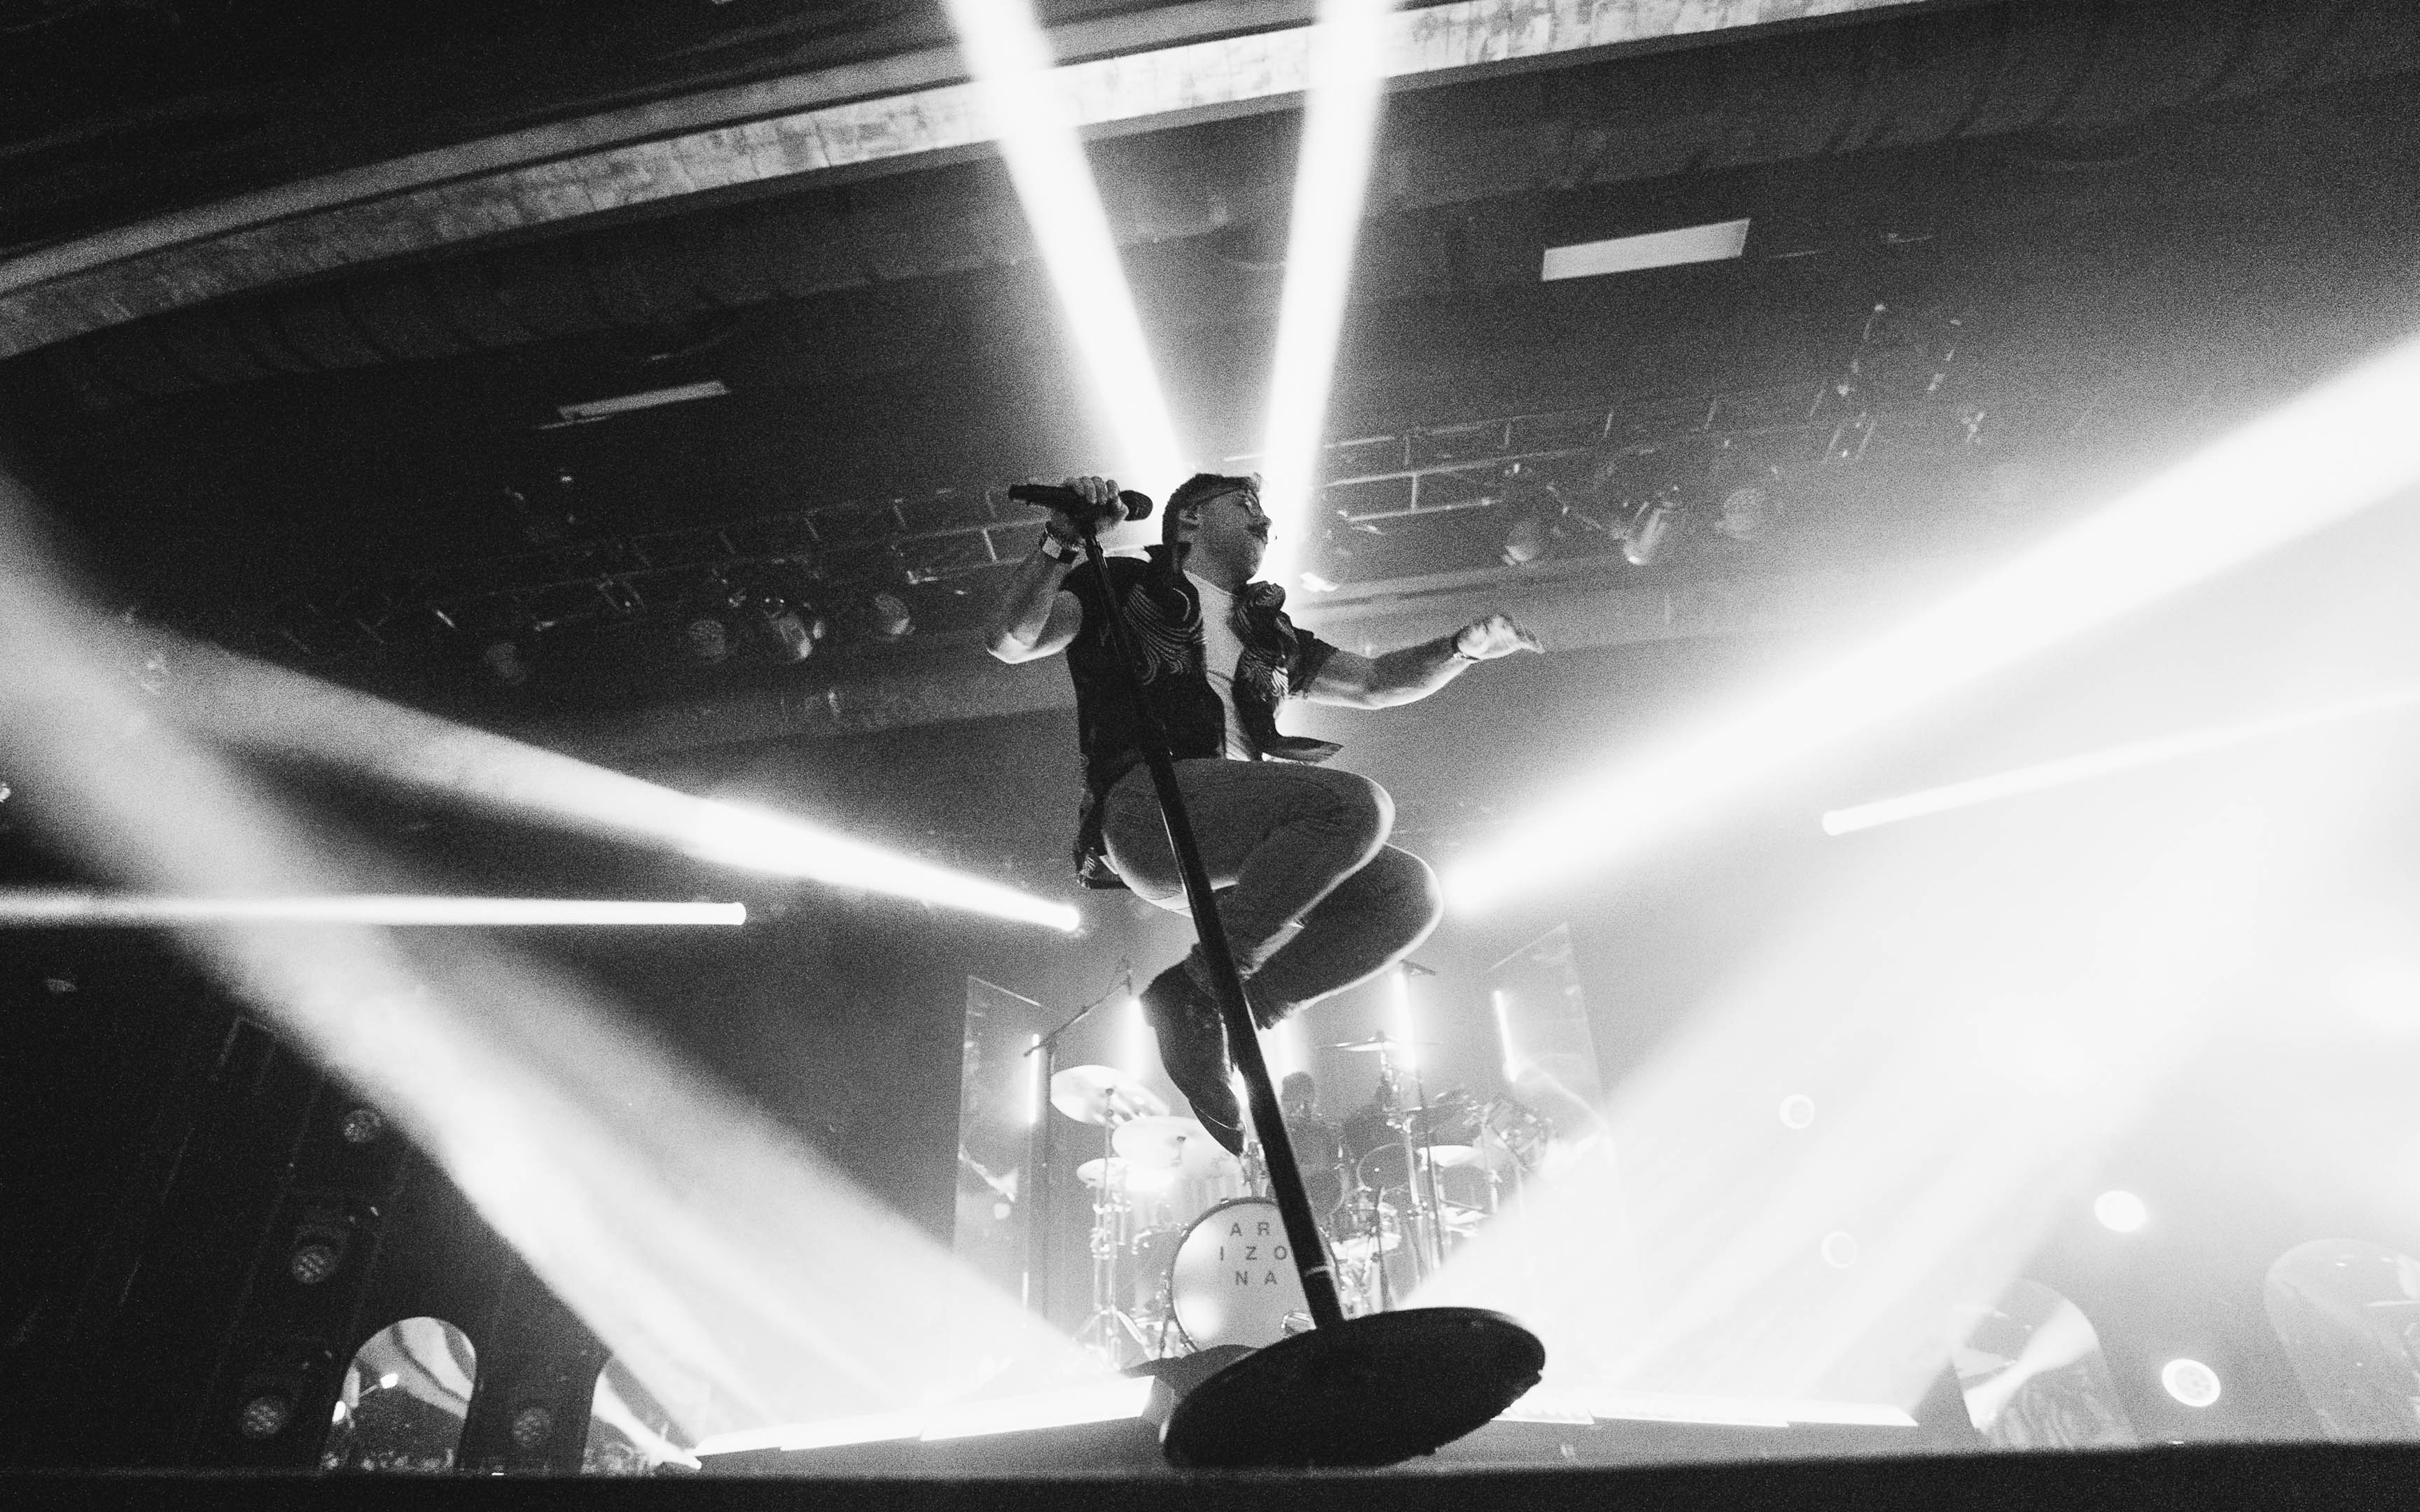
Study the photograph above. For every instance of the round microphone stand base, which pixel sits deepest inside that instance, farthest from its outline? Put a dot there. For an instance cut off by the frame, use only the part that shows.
(1369, 1391)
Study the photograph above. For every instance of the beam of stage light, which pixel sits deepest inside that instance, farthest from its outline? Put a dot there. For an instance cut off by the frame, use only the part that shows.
(54, 907)
(266, 708)
(1349, 58)
(1009, 57)
(2114, 759)
(738, 1275)
(2327, 454)
(1777, 1269)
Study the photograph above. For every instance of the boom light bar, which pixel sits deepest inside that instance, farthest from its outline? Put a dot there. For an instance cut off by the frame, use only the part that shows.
(2116, 759)
(1009, 57)
(1348, 69)
(2249, 494)
(88, 908)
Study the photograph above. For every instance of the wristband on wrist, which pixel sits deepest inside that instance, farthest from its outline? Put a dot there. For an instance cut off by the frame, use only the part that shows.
(1057, 550)
(1453, 646)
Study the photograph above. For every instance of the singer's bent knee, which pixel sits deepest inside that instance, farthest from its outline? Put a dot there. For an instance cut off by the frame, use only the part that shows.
(1356, 803)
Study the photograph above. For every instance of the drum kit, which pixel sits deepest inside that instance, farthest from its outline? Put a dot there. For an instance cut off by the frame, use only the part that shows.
(1189, 1250)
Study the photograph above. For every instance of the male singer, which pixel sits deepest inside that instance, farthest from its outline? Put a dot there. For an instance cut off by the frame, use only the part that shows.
(1286, 842)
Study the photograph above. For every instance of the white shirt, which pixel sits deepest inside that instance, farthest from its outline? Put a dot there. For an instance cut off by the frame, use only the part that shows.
(1221, 649)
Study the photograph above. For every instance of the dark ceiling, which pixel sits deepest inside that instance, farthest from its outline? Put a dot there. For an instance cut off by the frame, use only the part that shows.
(2095, 231)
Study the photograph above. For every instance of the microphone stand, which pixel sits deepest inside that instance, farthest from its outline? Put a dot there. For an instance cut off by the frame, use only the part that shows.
(1038, 1195)
(1310, 1258)
(1371, 1391)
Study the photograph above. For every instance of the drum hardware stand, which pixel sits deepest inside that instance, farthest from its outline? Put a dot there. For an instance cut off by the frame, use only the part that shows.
(1037, 1192)
(1110, 1328)
(1373, 1391)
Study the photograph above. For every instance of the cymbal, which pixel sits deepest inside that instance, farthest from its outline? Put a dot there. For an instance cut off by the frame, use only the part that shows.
(1376, 1041)
(1178, 1145)
(1103, 1094)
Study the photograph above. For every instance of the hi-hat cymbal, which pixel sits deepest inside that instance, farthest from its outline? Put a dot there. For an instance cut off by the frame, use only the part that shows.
(1376, 1041)
(1178, 1145)
(1103, 1094)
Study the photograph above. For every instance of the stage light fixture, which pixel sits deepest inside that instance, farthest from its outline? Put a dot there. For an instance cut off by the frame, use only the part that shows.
(1643, 538)
(892, 620)
(505, 663)
(2191, 1383)
(707, 639)
(531, 1426)
(2120, 1212)
(1348, 59)
(2248, 494)
(315, 1260)
(1035, 119)
(265, 1416)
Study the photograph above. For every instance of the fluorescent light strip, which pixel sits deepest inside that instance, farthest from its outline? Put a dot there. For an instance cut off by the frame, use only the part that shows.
(2100, 763)
(1655, 249)
(1035, 116)
(1349, 71)
(46, 907)
(2248, 495)
(622, 405)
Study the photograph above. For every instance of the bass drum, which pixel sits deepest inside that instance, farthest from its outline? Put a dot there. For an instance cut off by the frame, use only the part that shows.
(1233, 1280)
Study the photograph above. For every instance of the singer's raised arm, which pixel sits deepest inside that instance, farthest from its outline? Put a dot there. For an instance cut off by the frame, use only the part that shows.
(1037, 616)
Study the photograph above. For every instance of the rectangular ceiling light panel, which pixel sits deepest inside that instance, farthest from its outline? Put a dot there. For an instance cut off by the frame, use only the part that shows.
(623, 404)
(1656, 249)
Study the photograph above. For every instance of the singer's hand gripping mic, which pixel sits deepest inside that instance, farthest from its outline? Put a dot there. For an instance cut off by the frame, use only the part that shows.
(1067, 501)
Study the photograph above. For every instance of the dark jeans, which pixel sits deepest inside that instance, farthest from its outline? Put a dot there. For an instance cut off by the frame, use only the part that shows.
(1288, 844)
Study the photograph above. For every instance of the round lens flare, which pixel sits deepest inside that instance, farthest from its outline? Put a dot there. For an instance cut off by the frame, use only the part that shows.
(1797, 1111)
(2120, 1212)
(2190, 1381)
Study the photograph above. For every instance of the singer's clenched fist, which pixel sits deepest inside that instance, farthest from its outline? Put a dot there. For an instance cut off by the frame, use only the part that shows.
(1493, 637)
(1101, 494)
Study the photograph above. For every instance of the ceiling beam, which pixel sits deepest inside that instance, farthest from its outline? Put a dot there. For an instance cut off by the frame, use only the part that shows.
(1149, 71)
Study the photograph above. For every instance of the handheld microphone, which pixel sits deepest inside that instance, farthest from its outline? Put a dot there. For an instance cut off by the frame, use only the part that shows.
(1067, 501)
